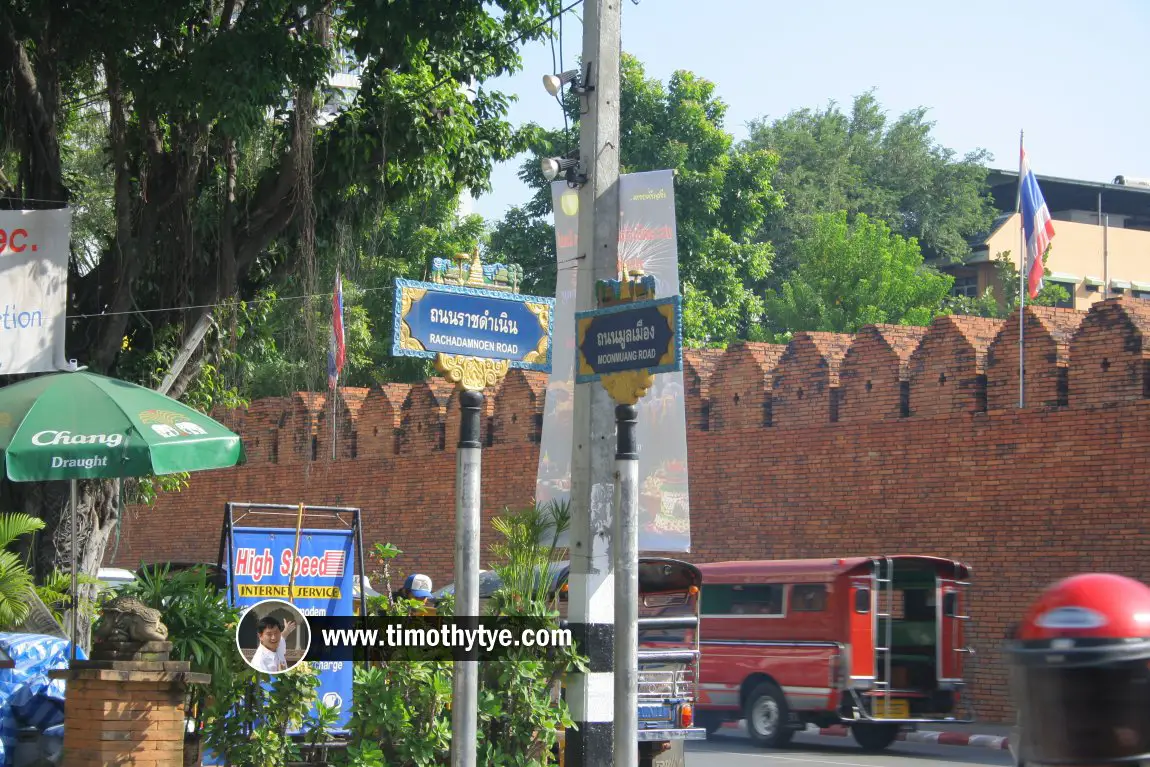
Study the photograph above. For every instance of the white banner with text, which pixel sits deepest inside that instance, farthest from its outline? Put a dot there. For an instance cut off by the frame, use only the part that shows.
(34, 246)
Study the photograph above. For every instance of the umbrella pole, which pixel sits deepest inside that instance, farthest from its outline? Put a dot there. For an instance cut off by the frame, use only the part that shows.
(75, 595)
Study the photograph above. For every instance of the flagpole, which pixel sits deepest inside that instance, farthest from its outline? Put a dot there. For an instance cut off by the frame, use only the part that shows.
(1022, 275)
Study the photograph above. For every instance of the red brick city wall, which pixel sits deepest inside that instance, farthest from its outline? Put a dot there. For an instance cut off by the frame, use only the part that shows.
(1024, 496)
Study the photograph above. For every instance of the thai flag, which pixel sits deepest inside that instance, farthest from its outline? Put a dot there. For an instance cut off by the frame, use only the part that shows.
(337, 351)
(1037, 226)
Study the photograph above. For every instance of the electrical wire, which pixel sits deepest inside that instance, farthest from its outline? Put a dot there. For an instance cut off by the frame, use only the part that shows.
(221, 304)
(562, 106)
(512, 42)
(549, 20)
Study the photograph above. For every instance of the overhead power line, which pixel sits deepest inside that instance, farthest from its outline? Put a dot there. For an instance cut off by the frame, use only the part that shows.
(509, 43)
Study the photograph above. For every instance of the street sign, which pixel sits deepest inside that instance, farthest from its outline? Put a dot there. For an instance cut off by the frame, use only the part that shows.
(261, 564)
(637, 336)
(433, 318)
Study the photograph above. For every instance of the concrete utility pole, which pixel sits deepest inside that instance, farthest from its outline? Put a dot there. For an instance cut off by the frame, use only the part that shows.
(591, 605)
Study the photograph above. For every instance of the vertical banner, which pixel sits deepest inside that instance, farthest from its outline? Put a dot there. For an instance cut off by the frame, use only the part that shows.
(553, 482)
(647, 241)
(261, 567)
(34, 247)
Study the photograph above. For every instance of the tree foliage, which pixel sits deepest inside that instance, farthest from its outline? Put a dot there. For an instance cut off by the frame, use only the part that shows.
(278, 356)
(723, 195)
(851, 274)
(1002, 303)
(15, 579)
(862, 162)
(210, 158)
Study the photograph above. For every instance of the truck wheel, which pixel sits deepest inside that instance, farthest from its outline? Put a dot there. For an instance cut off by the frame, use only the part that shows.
(874, 737)
(767, 716)
(709, 721)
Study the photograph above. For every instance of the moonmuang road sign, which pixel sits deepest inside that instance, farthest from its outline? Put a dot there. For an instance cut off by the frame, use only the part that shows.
(432, 318)
(639, 336)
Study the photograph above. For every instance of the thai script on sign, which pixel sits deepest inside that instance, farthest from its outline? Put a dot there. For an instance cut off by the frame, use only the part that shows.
(625, 336)
(485, 321)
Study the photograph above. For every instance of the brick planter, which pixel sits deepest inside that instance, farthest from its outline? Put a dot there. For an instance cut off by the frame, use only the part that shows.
(126, 712)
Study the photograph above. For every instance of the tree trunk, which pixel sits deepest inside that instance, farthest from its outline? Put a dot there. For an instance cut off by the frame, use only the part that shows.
(96, 517)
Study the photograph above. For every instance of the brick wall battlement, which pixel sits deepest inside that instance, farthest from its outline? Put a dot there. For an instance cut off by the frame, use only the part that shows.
(957, 365)
(895, 440)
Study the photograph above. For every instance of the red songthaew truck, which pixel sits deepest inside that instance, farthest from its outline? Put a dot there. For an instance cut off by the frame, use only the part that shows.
(877, 643)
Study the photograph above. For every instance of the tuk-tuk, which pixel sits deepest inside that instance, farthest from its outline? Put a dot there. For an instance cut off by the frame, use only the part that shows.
(668, 656)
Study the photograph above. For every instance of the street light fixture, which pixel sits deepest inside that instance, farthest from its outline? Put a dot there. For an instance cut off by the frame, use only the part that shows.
(553, 166)
(568, 166)
(554, 83)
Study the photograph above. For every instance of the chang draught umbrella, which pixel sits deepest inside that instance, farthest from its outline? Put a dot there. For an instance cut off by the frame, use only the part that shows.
(72, 426)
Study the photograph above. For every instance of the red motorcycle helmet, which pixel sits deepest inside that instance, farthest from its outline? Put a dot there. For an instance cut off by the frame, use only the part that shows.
(1080, 673)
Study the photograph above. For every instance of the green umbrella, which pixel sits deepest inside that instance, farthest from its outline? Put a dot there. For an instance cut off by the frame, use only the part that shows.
(72, 426)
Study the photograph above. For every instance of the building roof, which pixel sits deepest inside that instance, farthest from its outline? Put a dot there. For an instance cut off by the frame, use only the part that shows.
(1074, 194)
(980, 240)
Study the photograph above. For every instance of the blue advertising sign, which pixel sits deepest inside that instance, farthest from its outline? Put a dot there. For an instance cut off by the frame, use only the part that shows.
(260, 568)
(646, 335)
(432, 318)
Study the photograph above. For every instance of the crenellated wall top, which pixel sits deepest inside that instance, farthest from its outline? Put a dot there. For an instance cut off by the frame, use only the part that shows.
(1114, 335)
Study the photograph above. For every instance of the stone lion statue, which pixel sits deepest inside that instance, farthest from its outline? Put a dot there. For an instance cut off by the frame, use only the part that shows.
(127, 619)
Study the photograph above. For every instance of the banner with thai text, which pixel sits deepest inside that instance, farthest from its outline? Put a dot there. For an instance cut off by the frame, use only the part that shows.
(647, 241)
(34, 247)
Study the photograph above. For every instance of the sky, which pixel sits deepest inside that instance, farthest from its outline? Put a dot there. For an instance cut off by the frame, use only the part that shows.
(1071, 74)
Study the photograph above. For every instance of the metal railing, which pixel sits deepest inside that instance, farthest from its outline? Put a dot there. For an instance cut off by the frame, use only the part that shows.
(660, 685)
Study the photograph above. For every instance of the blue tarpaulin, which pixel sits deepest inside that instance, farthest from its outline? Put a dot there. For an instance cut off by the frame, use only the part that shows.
(28, 697)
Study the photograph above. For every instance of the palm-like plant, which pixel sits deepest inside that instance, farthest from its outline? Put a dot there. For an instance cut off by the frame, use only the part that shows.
(526, 557)
(15, 578)
(56, 591)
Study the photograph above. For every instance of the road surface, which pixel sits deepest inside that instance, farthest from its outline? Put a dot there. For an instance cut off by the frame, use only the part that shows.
(730, 748)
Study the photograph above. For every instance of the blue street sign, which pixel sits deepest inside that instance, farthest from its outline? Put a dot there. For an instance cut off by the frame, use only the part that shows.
(261, 565)
(646, 335)
(433, 319)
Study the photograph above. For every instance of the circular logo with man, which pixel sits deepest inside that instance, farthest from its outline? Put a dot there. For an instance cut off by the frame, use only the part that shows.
(273, 636)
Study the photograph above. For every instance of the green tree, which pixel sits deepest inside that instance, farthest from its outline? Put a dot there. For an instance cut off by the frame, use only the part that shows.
(278, 355)
(861, 162)
(723, 196)
(1002, 302)
(851, 274)
(229, 162)
(15, 579)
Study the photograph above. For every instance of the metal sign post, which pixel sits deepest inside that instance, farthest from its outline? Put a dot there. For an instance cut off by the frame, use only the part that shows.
(623, 345)
(473, 322)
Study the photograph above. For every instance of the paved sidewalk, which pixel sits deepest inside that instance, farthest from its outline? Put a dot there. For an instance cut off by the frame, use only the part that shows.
(992, 736)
